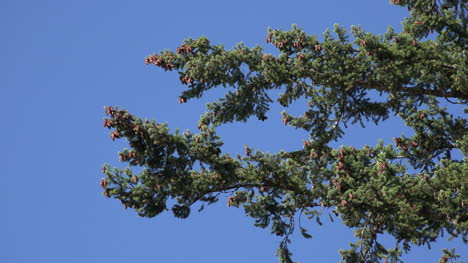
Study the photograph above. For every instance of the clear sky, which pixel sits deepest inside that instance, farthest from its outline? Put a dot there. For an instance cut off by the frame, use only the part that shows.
(62, 61)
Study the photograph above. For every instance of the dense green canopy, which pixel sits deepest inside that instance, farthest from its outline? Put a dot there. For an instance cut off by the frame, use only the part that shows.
(412, 190)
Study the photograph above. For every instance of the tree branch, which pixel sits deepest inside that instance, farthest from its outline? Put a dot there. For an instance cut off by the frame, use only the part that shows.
(413, 90)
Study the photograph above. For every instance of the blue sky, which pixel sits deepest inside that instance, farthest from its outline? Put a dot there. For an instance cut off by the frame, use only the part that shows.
(62, 61)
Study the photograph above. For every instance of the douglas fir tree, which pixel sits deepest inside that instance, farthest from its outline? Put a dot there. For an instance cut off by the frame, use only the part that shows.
(411, 189)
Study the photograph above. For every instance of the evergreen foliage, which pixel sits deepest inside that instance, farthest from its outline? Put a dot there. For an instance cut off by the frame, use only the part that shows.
(412, 190)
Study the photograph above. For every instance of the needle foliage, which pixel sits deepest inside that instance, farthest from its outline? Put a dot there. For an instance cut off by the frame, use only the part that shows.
(411, 189)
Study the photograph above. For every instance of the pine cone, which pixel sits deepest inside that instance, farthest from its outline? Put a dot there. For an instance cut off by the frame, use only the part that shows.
(397, 141)
(268, 39)
(247, 151)
(103, 183)
(115, 135)
(110, 111)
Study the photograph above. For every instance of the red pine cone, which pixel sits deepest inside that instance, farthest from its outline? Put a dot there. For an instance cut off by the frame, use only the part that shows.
(108, 123)
(247, 151)
(109, 110)
(103, 183)
(397, 142)
(268, 39)
(184, 49)
(115, 135)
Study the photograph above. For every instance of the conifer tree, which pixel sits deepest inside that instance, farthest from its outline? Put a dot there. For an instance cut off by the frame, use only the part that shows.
(411, 189)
